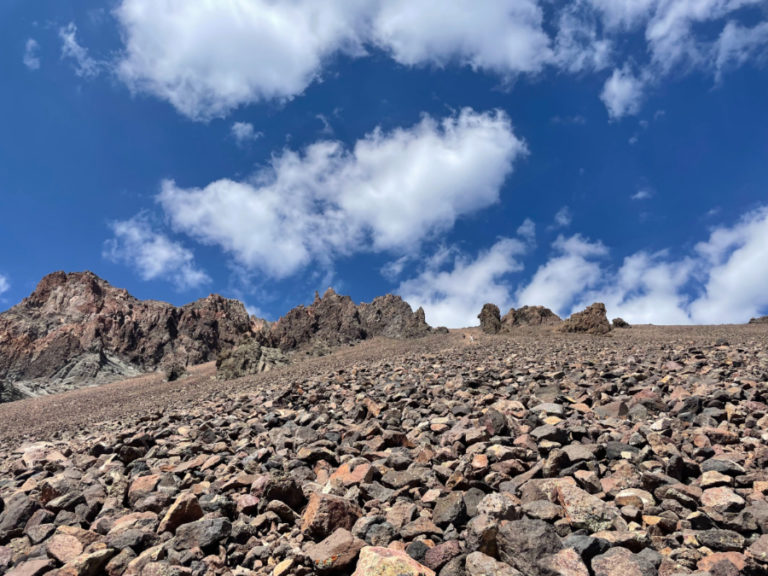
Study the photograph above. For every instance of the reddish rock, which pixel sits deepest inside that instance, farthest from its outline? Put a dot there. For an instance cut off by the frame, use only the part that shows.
(438, 556)
(63, 547)
(33, 567)
(336, 552)
(591, 320)
(376, 561)
(326, 513)
(185, 509)
(490, 319)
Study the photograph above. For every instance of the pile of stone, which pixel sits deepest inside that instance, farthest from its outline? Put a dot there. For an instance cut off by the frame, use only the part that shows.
(539, 454)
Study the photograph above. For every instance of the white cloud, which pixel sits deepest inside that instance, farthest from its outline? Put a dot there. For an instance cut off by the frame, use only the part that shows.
(558, 282)
(31, 54)
(152, 254)
(327, 128)
(454, 297)
(502, 37)
(563, 218)
(392, 270)
(85, 66)
(642, 194)
(388, 193)
(207, 58)
(622, 93)
(5, 285)
(737, 271)
(738, 44)
(527, 231)
(244, 132)
(722, 281)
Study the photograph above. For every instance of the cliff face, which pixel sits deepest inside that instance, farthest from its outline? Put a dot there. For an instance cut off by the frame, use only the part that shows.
(334, 320)
(76, 330)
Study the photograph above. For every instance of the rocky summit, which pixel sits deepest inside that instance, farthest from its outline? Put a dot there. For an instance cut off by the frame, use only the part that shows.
(77, 330)
(536, 452)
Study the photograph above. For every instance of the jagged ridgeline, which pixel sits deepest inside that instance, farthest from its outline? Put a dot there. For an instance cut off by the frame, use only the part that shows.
(77, 330)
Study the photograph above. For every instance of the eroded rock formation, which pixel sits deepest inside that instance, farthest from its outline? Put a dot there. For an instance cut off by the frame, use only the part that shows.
(591, 320)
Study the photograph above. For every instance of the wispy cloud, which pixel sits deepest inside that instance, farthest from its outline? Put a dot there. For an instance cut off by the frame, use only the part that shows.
(85, 66)
(32, 54)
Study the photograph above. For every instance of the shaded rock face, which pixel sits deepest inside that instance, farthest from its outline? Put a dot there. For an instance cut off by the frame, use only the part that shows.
(490, 319)
(591, 320)
(246, 359)
(760, 320)
(76, 330)
(621, 323)
(335, 320)
(529, 316)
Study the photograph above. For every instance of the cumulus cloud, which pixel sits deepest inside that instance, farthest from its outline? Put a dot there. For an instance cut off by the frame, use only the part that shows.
(31, 54)
(721, 281)
(85, 66)
(244, 132)
(642, 194)
(5, 285)
(153, 254)
(453, 295)
(622, 93)
(388, 193)
(207, 58)
(573, 269)
(502, 37)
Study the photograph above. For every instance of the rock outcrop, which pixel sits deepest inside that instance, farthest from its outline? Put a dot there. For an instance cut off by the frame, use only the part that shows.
(760, 320)
(591, 320)
(335, 320)
(248, 358)
(529, 316)
(620, 323)
(77, 330)
(490, 319)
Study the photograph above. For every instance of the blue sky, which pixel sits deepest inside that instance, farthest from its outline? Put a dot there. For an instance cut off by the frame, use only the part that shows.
(519, 152)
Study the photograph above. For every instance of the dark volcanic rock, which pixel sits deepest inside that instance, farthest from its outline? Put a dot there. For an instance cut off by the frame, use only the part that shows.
(490, 319)
(76, 330)
(529, 316)
(592, 320)
(620, 323)
(759, 320)
(334, 320)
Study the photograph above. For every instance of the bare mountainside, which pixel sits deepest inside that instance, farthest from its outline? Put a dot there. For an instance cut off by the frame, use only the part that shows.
(534, 452)
(77, 330)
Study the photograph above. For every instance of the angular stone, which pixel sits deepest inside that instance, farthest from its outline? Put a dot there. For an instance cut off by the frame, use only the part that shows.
(185, 509)
(336, 552)
(63, 547)
(479, 564)
(325, 513)
(376, 561)
(583, 510)
(567, 562)
(524, 543)
(202, 533)
(34, 567)
(621, 562)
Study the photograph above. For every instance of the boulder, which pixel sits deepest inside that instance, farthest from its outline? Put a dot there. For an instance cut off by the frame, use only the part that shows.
(490, 319)
(246, 359)
(529, 316)
(620, 323)
(592, 320)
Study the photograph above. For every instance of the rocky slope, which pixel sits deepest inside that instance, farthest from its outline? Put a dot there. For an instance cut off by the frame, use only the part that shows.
(76, 330)
(533, 453)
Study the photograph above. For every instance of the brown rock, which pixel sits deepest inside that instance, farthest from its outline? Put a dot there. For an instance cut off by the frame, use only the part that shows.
(77, 330)
(33, 567)
(326, 513)
(529, 316)
(567, 562)
(376, 561)
(622, 562)
(592, 320)
(490, 319)
(185, 509)
(63, 547)
(336, 552)
(479, 564)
